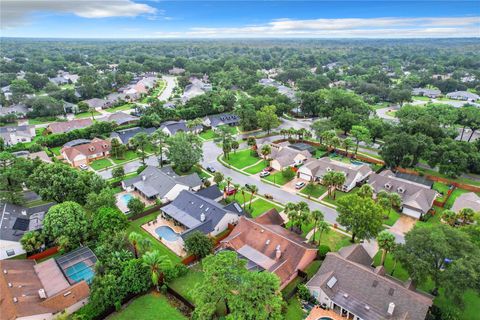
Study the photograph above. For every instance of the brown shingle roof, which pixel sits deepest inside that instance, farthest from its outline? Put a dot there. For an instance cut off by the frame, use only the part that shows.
(67, 126)
(95, 146)
(264, 239)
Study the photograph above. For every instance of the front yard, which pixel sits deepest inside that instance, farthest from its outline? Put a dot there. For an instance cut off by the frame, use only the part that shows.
(260, 206)
(148, 307)
(86, 114)
(333, 239)
(316, 191)
(126, 106)
(278, 178)
(129, 155)
(241, 159)
(339, 195)
(257, 168)
(101, 164)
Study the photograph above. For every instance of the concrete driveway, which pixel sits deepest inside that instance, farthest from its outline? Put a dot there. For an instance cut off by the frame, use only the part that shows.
(403, 224)
(290, 186)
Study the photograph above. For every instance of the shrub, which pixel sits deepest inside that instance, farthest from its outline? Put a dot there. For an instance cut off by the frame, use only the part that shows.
(303, 292)
(288, 173)
(323, 250)
(175, 272)
(141, 168)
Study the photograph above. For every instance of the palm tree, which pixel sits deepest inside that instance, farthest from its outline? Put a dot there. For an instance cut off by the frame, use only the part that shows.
(323, 227)
(291, 212)
(347, 143)
(227, 187)
(243, 190)
(327, 136)
(135, 239)
(328, 181)
(450, 217)
(157, 264)
(265, 151)
(365, 191)
(159, 139)
(317, 216)
(338, 181)
(466, 215)
(253, 189)
(235, 145)
(226, 147)
(236, 186)
(283, 132)
(303, 218)
(141, 141)
(335, 142)
(92, 112)
(386, 242)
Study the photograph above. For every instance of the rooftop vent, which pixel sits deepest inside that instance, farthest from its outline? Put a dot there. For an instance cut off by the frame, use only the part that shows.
(67, 293)
(391, 307)
(331, 282)
(267, 242)
(206, 209)
(391, 291)
(375, 283)
(5, 271)
(367, 307)
(10, 285)
(345, 295)
(388, 186)
(42, 294)
(261, 231)
(400, 190)
(24, 212)
(201, 206)
(144, 177)
(92, 148)
(15, 300)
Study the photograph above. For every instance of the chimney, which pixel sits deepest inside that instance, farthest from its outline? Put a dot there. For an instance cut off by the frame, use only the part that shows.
(391, 307)
(24, 212)
(278, 252)
(144, 177)
(42, 294)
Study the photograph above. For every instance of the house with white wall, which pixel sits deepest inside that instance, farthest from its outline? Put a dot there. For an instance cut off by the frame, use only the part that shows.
(78, 152)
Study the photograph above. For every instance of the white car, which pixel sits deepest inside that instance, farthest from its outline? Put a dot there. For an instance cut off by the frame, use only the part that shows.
(83, 167)
(299, 185)
(264, 174)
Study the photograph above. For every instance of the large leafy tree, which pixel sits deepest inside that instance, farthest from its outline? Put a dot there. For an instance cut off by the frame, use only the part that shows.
(267, 118)
(198, 244)
(141, 141)
(67, 220)
(109, 220)
(32, 241)
(105, 198)
(361, 216)
(360, 133)
(184, 150)
(430, 250)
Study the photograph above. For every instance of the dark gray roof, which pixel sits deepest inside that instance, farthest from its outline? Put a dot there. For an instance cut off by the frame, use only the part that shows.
(76, 142)
(120, 118)
(189, 208)
(155, 182)
(301, 146)
(18, 219)
(211, 192)
(223, 119)
(355, 286)
(175, 126)
(127, 134)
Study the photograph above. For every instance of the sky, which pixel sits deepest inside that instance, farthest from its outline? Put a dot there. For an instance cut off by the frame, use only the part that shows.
(140, 19)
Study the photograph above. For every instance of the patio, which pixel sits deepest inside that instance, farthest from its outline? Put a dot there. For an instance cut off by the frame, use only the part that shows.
(122, 204)
(177, 245)
(319, 313)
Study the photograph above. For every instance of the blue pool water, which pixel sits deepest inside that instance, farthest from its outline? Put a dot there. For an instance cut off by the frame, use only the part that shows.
(166, 233)
(79, 272)
(126, 197)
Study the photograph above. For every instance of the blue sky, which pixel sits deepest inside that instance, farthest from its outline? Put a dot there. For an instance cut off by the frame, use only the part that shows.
(239, 19)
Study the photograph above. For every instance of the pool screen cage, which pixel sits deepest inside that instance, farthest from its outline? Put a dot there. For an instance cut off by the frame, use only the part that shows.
(75, 264)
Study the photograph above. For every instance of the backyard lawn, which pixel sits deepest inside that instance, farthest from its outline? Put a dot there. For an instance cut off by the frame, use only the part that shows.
(207, 134)
(136, 226)
(278, 178)
(101, 164)
(148, 307)
(438, 174)
(316, 192)
(333, 239)
(422, 98)
(441, 188)
(257, 168)
(129, 155)
(241, 159)
(259, 206)
(294, 310)
(186, 283)
(455, 194)
(86, 114)
(56, 150)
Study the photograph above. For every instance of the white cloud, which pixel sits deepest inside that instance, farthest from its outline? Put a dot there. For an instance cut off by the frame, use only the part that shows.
(387, 27)
(17, 12)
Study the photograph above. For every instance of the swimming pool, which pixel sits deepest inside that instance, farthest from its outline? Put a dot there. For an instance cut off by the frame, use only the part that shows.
(166, 233)
(325, 318)
(126, 198)
(79, 272)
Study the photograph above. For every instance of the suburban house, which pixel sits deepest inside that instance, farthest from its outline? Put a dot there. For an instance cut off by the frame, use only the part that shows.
(42, 155)
(161, 183)
(172, 127)
(347, 284)
(284, 157)
(223, 119)
(176, 71)
(266, 245)
(30, 290)
(17, 220)
(212, 193)
(417, 198)
(284, 90)
(467, 200)
(124, 136)
(430, 93)
(196, 88)
(19, 109)
(12, 135)
(192, 212)
(463, 95)
(315, 169)
(120, 118)
(78, 152)
(67, 126)
(144, 85)
(96, 103)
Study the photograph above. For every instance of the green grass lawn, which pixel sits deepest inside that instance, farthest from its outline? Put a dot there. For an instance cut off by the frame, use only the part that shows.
(241, 159)
(35, 203)
(101, 164)
(294, 310)
(435, 219)
(86, 114)
(56, 150)
(470, 298)
(126, 106)
(208, 134)
(149, 307)
(259, 206)
(136, 226)
(186, 283)
(442, 188)
(339, 195)
(316, 192)
(438, 174)
(335, 240)
(391, 113)
(277, 178)
(392, 218)
(125, 177)
(41, 120)
(239, 198)
(422, 98)
(312, 268)
(257, 168)
(129, 155)
(455, 194)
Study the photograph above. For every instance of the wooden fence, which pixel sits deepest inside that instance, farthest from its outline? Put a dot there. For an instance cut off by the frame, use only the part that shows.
(44, 254)
(146, 212)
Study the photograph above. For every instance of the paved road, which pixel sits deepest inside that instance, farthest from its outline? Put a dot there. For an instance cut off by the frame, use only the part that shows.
(382, 113)
(170, 85)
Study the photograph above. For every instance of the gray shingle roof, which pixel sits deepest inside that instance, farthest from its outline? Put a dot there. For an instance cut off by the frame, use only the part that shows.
(127, 134)
(211, 192)
(175, 126)
(467, 200)
(223, 119)
(358, 286)
(18, 219)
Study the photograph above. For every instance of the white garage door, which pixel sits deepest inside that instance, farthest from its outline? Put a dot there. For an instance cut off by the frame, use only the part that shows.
(304, 176)
(411, 213)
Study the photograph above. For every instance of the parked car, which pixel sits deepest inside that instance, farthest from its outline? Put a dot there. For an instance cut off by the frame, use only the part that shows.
(269, 169)
(268, 196)
(211, 169)
(299, 185)
(248, 186)
(264, 174)
(231, 191)
(83, 167)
